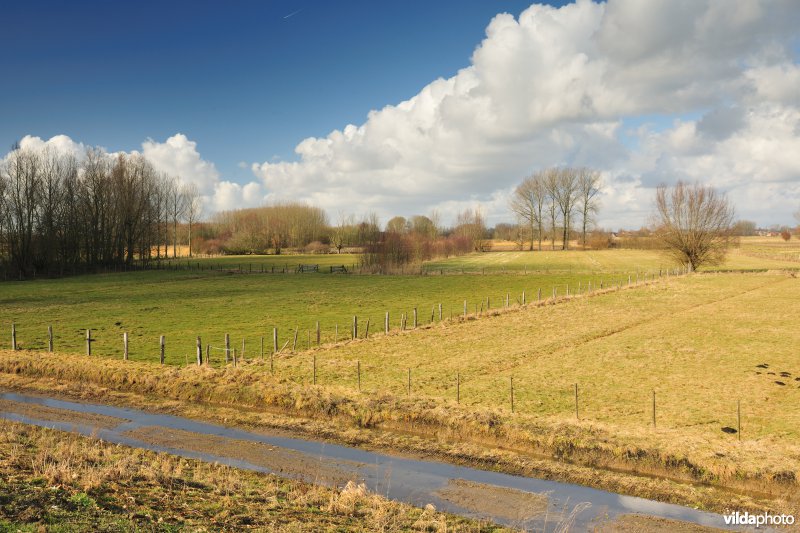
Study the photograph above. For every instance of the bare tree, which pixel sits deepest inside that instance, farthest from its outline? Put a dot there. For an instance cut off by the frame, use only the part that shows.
(694, 222)
(528, 203)
(193, 204)
(471, 225)
(176, 205)
(588, 188)
(551, 184)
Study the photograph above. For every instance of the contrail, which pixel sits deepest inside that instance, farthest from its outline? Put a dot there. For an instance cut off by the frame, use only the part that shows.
(292, 14)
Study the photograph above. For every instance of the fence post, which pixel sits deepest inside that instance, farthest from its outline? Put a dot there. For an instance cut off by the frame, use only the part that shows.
(315, 369)
(523, 297)
(319, 337)
(88, 342)
(162, 346)
(465, 309)
(355, 327)
(366, 330)
(739, 419)
(415, 318)
(125, 346)
(274, 340)
(227, 348)
(199, 352)
(50, 339)
(539, 295)
(386, 323)
(654, 408)
(261, 349)
(506, 300)
(208, 354)
(554, 293)
(242, 348)
(294, 344)
(440, 312)
(512, 394)
(235, 361)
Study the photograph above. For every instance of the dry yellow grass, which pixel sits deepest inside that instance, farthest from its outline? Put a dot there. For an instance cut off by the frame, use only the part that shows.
(51, 478)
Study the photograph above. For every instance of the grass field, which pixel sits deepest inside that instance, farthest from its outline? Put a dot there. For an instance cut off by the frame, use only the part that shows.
(182, 305)
(703, 343)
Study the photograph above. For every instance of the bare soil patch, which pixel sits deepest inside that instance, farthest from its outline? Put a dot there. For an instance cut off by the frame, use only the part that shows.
(278, 460)
(43, 412)
(511, 504)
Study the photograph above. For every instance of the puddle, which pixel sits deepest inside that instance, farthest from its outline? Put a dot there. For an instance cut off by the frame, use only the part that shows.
(539, 504)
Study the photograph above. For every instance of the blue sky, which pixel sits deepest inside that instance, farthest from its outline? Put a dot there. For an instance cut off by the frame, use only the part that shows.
(403, 108)
(239, 78)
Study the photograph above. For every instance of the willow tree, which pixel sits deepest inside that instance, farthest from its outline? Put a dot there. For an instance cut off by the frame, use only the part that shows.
(694, 222)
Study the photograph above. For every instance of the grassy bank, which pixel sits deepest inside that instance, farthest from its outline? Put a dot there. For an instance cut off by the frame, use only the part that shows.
(51, 480)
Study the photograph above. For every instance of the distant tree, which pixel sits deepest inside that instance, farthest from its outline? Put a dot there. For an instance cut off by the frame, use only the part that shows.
(397, 224)
(194, 208)
(694, 223)
(744, 228)
(589, 185)
(528, 202)
(786, 235)
(470, 224)
(551, 185)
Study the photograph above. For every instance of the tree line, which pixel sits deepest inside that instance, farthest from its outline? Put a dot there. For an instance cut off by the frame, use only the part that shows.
(59, 214)
(549, 200)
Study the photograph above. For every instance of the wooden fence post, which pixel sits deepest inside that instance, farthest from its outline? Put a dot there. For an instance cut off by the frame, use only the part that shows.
(227, 348)
(366, 330)
(506, 300)
(465, 309)
(355, 327)
(315, 369)
(415, 318)
(161, 344)
(125, 346)
(89, 342)
(440, 312)
(199, 352)
(539, 295)
(319, 336)
(523, 297)
(261, 348)
(50, 339)
(13, 336)
(242, 349)
(512, 394)
(294, 344)
(235, 359)
(274, 340)
(208, 355)
(739, 419)
(654, 408)
(386, 323)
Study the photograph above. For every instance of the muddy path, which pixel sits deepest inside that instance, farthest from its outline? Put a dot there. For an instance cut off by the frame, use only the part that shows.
(506, 499)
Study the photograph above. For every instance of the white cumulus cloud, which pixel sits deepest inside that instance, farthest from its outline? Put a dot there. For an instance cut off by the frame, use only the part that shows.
(554, 86)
